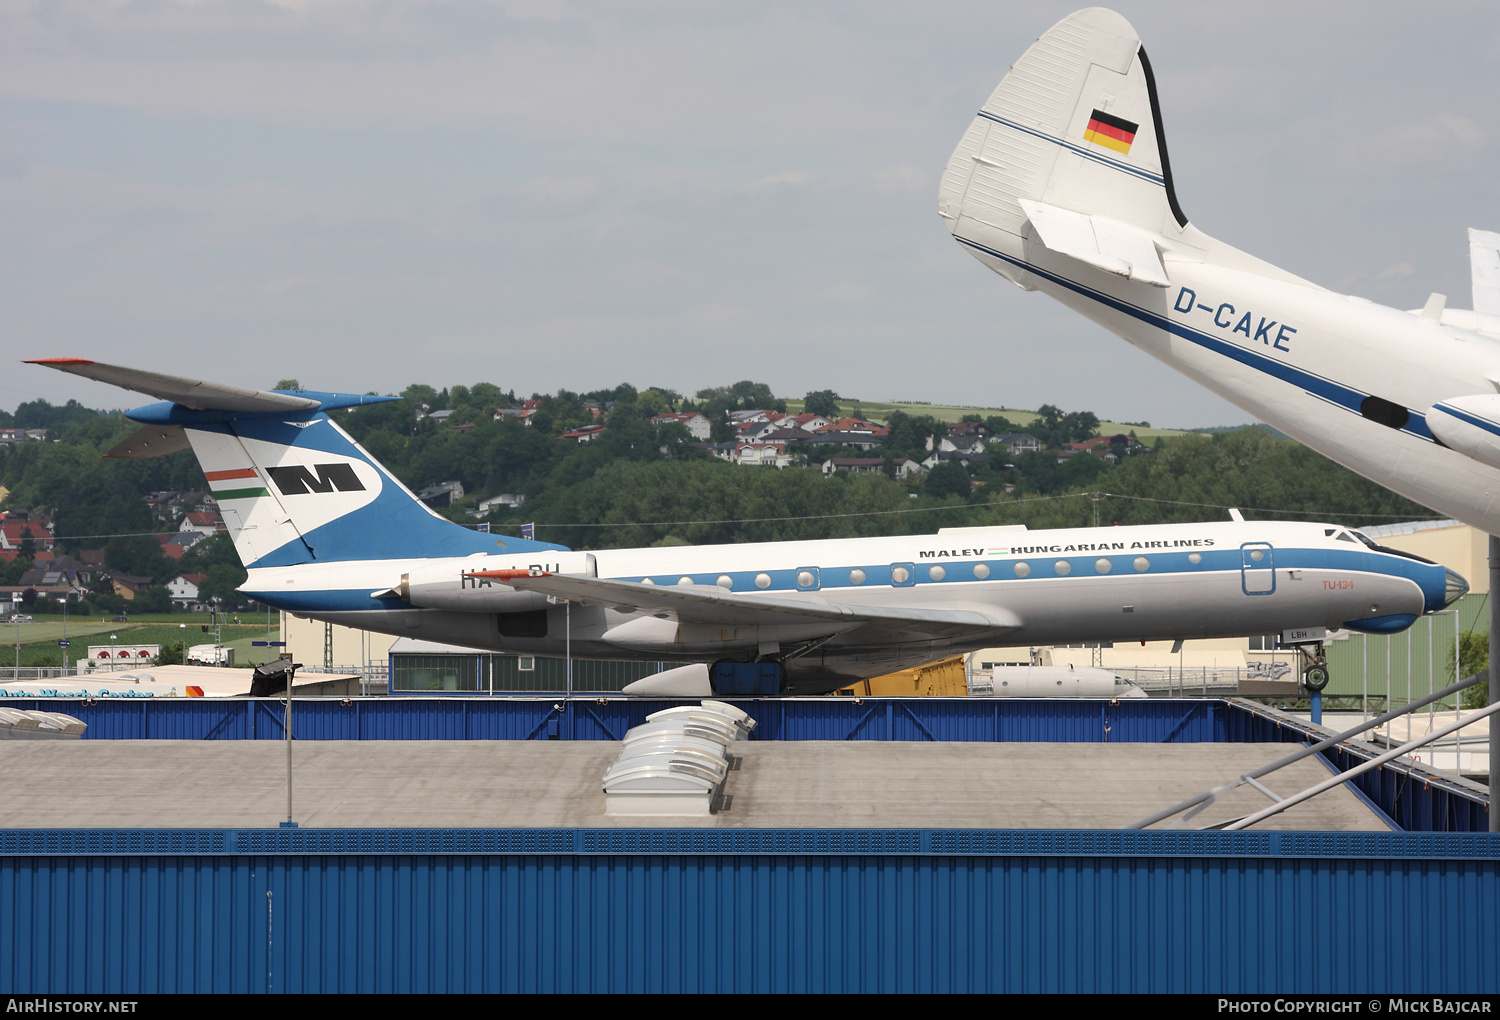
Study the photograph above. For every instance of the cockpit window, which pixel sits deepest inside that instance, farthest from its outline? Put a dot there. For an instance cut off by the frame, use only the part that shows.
(1388, 550)
(1344, 536)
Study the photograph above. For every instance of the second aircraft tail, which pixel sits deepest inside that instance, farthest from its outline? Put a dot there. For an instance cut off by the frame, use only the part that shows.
(1068, 156)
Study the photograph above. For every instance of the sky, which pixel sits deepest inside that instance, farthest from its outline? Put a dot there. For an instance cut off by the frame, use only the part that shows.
(364, 194)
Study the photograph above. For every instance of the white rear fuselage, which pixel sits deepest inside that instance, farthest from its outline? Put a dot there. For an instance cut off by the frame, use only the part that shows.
(1303, 359)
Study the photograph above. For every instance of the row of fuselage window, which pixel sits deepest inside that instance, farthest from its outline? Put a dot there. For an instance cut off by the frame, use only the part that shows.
(937, 572)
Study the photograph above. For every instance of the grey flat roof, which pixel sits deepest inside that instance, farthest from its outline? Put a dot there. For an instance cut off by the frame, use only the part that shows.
(546, 784)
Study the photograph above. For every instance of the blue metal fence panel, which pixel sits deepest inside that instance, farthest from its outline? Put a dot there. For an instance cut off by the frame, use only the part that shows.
(449, 718)
(867, 922)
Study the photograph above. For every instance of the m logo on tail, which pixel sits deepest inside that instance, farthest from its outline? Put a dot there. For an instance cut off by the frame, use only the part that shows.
(298, 479)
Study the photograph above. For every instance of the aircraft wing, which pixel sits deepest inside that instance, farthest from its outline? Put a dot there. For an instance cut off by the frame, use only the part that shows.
(703, 605)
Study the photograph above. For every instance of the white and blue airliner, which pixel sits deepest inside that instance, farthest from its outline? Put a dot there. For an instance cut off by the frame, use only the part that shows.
(326, 532)
(1061, 184)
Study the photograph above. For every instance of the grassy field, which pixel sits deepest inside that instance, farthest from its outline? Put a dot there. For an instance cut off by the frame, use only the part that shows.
(38, 640)
(880, 411)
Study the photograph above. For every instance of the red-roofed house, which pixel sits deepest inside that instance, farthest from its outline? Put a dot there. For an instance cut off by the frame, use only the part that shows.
(14, 531)
(204, 523)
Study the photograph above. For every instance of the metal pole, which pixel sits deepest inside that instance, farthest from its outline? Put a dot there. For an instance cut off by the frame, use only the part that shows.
(568, 627)
(1431, 651)
(1364, 668)
(288, 730)
(1458, 760)
(1494, 675)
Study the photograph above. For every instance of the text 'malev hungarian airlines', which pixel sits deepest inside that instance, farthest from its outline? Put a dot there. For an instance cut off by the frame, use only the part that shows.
(326, 531)
(1061, 184)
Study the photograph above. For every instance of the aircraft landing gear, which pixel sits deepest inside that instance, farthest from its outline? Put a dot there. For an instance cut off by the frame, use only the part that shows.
(1315, 677)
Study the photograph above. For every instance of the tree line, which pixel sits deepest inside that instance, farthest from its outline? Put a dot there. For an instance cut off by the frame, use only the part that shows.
(637, 485)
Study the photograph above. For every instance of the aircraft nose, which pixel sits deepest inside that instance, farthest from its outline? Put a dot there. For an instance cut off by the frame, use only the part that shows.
(1455, 588)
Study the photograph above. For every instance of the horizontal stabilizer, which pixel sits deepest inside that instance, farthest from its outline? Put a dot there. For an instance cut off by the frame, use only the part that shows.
(716, 606)
(1470, 425)
(1104, 243)
(150, 441)
(193, 393)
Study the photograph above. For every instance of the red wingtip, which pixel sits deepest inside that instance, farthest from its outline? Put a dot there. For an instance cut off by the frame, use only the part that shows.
(59, 361)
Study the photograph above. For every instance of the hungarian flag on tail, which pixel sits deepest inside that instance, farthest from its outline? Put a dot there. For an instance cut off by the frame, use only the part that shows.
(1111, 132)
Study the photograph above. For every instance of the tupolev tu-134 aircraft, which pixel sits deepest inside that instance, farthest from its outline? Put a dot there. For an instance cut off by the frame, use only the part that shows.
(1061, 184)
(326, 531)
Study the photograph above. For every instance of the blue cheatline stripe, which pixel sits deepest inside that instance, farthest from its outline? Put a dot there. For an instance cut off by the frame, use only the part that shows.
(1097, 157)
(1479, 423)
(1333, 392)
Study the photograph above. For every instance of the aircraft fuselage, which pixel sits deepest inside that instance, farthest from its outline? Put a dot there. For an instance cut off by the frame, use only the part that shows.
(1040, 587)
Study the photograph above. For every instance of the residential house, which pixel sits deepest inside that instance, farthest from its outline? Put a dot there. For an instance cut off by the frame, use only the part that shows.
(128, 586)
(173, 546)
(202, 523)
(751, 431)
(786, 435)
(521, 414)
(184, 590)
(1103, 447)
(856, 425)
(966, 459)
(442, 494)
(806, 420)
(963, 443)
(854, 465)
(587, 434)
(17, 526)
(506, 500)
(697, 423)
(861, 439)
(907, 469)
(761, 454)
(1018, 443)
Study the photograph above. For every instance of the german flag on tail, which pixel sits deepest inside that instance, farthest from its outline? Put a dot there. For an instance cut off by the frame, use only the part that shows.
(1111, 132)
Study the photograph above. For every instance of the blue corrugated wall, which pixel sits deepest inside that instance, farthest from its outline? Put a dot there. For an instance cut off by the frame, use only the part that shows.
(1376, 919)
(412, 718)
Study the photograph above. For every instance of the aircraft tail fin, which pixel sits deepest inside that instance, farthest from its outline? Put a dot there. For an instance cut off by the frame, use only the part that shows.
(1484, 265)
(1068, 155)
(1072, 132)
(292, 486)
